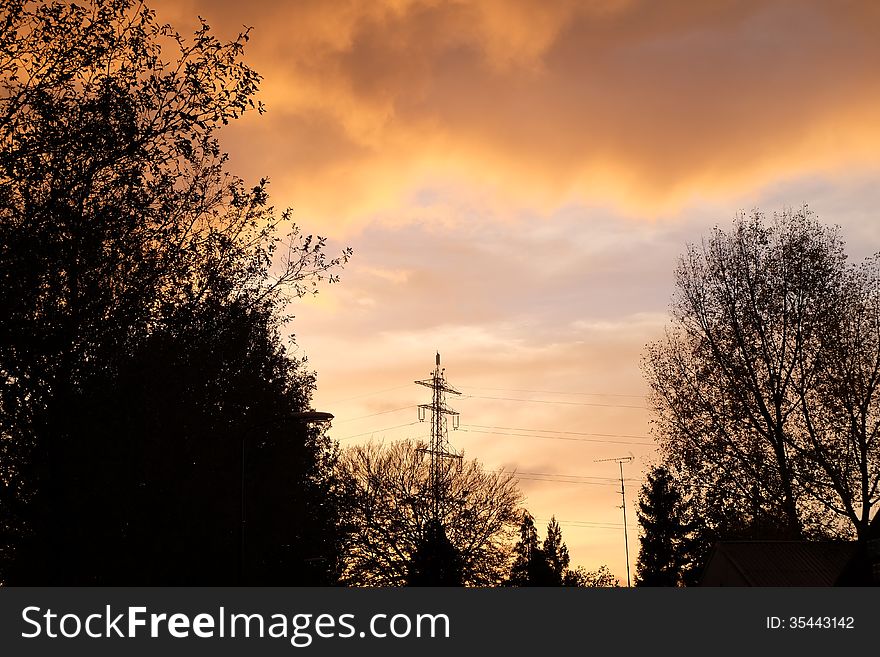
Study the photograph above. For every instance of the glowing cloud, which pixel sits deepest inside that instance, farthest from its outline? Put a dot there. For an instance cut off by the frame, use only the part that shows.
(641, 104)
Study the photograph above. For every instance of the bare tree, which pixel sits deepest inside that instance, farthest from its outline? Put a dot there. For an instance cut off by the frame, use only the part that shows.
(840, 403)
(763, 388)
(387, 514)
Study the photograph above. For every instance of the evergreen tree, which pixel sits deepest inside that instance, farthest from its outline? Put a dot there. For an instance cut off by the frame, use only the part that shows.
(531, 565)
(525, 552)
(555, 553)
(664, 558)
(436, 561)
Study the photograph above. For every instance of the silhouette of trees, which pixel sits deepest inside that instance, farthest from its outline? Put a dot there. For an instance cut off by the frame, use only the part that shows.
(142, 293)
(389, 534)
(555, 552)
(665, 557)
(764, 388)
(530, 565)
(436, 561)
(601, 578)
(547, 563)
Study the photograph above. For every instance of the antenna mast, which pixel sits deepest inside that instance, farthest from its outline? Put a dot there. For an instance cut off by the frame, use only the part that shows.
(439, 448)
(620, 461)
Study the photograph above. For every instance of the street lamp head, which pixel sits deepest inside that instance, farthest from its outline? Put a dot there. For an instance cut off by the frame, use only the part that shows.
(313, 416)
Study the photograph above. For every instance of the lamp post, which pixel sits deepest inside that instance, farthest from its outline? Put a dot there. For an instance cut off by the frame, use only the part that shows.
(318, 417)
(300, 417)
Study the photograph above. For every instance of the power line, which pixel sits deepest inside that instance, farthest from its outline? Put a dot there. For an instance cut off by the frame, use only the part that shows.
(366, 433)
(568, 438)
(575, 433)
(550, 401)
(567, 481)
(366, 394)
(535, 401)
(361, 417)
(572, 481)
(587, 523)
(557, 392)
(551, 474)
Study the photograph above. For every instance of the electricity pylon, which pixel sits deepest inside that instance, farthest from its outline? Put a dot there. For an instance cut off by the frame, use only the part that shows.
(439, 449)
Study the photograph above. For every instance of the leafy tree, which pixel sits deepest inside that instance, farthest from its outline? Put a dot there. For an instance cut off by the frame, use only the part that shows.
(135, 276)
(764, 386)
(170, 451)
(839, 418)
(601, 578)
(388, 523)
(664, 557)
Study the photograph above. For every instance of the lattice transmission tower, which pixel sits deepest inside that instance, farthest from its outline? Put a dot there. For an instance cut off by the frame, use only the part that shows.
(439, 450)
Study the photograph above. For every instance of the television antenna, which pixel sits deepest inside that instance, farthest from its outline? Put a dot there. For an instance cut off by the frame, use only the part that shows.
(620, 461)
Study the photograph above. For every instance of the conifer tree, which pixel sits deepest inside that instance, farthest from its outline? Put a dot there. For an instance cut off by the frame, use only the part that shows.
(436, 561)
(524, 552)
(556, 553)
(666, 533)
(531, 566)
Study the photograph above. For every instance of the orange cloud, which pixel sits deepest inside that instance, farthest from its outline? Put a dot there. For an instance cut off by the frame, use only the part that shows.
(640, 103)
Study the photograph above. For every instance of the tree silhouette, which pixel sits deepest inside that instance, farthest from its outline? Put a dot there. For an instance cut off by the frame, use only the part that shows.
(581, 577)
(665, 554)
(139, 318)
(436, 561)
(540, 565)
(556, 553)
(546, 564)
(528, 558)
(764, 388)
(389, 533)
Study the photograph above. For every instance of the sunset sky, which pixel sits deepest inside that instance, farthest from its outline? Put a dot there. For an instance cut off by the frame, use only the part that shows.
(517, 179)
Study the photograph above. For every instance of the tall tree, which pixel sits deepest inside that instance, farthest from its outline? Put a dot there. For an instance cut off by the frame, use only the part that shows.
(556, 552)
(526, 553)
(388, 522)
(538, 564)
(665, 543)
(764, 386)
(839, 393)
(546, 564)
(126, 251)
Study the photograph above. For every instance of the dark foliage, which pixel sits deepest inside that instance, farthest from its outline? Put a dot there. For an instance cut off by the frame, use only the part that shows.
(139, 317)
(546, 564)
(665, 557)
(555, 553)
(436, 561)
(530, 566)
